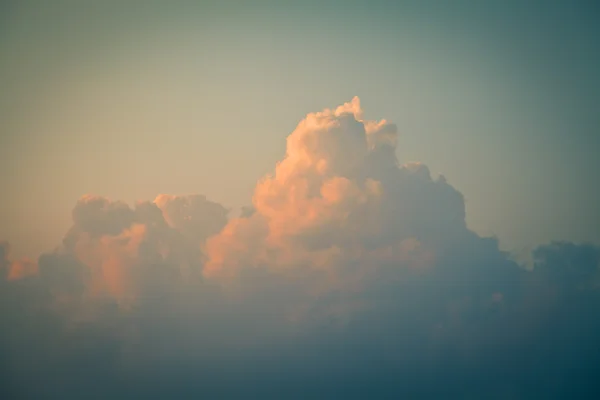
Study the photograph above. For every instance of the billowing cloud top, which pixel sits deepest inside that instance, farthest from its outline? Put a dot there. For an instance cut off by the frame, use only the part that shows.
(341, 213)
(350, 275)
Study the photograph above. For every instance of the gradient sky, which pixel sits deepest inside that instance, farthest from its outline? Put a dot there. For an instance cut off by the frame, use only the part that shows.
(129, 101)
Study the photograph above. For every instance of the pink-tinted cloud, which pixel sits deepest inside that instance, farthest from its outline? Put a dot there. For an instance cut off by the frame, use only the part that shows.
(13, 270)
(127, 249)
(341, 209)
(349, 265)
(21, 269)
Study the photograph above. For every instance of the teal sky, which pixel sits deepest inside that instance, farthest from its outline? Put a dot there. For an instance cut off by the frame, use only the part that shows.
(195, 97)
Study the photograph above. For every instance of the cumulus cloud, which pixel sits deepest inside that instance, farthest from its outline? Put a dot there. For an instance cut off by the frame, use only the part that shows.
(15, 269)
(350, 275)
(114, 250)
(343, 214)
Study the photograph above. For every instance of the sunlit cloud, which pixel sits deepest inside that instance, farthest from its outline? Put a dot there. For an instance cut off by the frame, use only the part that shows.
(348, 266)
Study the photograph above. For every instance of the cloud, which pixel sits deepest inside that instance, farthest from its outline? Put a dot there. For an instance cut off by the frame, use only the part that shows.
(350, 275)
(15, 269)
(193, 215)
(568, 264)
(122, 251)
(344, 215)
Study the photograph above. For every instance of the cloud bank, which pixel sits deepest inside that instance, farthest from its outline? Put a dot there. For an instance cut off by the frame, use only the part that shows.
(350, 276)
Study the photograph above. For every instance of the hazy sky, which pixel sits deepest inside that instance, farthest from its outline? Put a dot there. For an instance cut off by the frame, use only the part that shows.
(354, 270)
(129, 101)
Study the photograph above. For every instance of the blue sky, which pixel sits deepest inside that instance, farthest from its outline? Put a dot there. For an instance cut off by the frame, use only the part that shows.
(129, 101)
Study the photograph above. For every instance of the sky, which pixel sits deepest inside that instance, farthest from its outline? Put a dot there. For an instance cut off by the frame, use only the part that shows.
(129, 101)
(349, 197)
